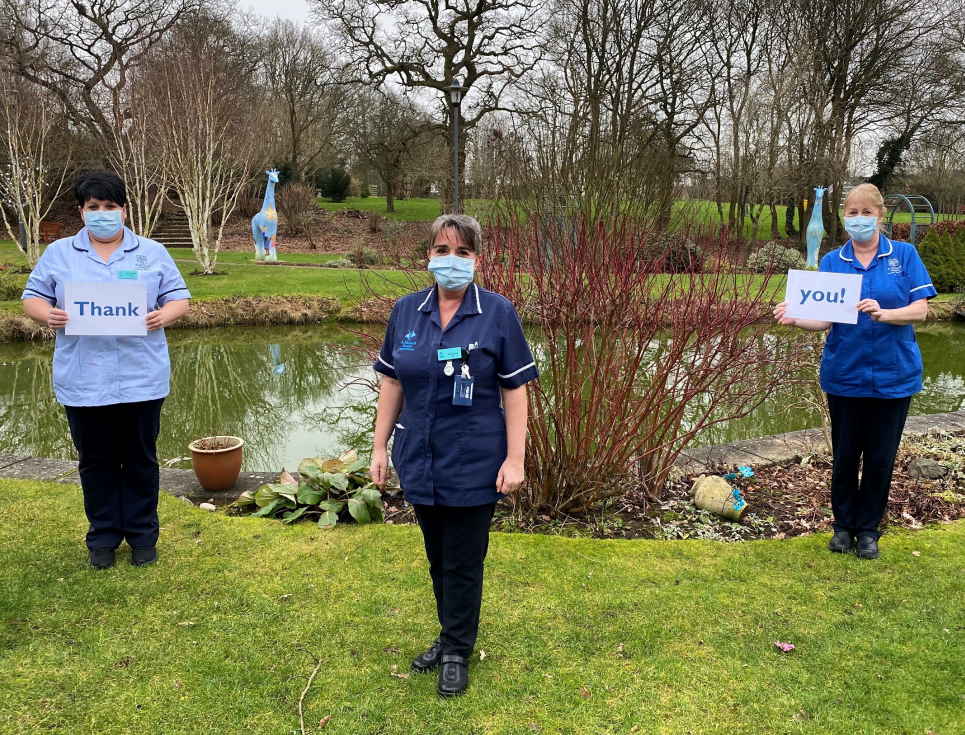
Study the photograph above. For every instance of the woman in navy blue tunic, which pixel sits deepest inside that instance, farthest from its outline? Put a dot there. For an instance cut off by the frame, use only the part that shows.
(869, 370)
(455, 365)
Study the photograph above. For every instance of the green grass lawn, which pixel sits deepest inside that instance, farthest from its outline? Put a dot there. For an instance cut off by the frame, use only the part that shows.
(408, 210)
(236, 257)
(580, 636)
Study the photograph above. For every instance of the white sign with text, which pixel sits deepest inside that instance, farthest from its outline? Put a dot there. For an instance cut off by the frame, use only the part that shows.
(107, 309)
(827, 297)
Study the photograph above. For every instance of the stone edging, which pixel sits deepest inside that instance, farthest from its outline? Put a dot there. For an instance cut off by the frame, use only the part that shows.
(757, 452)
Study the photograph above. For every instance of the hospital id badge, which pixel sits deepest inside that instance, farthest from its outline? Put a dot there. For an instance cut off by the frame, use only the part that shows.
(462, 391)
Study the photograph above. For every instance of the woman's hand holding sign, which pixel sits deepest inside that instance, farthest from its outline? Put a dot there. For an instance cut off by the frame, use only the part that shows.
(57, 319)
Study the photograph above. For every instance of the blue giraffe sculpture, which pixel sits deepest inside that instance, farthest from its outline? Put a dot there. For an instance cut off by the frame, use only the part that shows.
(815, 232)
(264, 225)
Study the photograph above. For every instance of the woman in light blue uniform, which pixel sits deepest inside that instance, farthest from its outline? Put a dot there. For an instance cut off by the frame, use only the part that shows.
(455, 365)
(111, 388)
(869, 370)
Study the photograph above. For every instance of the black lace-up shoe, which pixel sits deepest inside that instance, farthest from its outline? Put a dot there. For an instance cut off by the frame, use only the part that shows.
(841, 542)
(867, 548)
(102, 558)
(430, 659)
(143, 555)
(454, 675)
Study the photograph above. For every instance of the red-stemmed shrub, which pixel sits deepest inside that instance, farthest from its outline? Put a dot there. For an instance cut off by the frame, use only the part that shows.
(635, 362)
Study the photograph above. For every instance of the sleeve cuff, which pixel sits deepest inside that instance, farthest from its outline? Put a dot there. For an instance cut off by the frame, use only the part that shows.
(30, 293)
(927, 291)
(381, 366)
(521, 376)
(178, 294)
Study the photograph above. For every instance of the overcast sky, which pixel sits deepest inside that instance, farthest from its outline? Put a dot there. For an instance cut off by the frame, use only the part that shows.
(293, 9)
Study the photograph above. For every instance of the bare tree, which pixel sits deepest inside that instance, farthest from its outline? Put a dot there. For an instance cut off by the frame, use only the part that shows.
(385, 128)
(35, 160)
(425, 44)
(303, 79)
(208, 128)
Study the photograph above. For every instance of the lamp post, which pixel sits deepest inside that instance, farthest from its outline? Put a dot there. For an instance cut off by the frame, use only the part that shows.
(455, 96)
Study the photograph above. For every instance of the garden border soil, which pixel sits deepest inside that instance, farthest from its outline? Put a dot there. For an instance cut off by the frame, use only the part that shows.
(788, 460)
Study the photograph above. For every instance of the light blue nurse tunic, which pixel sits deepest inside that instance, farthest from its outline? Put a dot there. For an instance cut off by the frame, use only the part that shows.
(96, 370)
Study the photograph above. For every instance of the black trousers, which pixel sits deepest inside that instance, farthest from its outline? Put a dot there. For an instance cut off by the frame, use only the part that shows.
(456, 540)
(118, 471)
(867, 429)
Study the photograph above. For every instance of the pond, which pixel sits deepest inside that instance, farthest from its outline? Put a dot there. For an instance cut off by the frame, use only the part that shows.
(230, 381)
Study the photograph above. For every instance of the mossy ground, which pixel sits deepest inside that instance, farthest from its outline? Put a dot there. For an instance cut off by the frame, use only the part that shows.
(580, 636)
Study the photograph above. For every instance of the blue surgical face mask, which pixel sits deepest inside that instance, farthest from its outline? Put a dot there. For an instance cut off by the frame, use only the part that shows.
(104, 224)
(861, 229)
(452, 272)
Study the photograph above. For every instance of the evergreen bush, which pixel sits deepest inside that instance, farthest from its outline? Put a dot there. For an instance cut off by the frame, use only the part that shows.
(334, 183)
(944, 256)
(775, 257)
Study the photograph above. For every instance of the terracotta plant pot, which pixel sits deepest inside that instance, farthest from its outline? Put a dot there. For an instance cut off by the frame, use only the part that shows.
(217, 461)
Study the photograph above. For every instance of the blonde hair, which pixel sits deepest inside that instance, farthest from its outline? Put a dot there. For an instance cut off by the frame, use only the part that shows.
(871, 192)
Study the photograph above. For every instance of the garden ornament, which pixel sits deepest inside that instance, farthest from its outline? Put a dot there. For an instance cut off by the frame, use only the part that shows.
(714, 493)
(264, 225)
(815, 232)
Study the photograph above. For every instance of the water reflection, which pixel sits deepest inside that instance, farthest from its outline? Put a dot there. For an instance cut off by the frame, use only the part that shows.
(281, 388)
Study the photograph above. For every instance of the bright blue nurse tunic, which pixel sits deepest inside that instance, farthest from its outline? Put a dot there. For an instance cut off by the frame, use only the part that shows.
(871, 359)
(446, 454)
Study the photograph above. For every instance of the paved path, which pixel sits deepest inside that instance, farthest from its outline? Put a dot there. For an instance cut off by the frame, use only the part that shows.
(757, 452)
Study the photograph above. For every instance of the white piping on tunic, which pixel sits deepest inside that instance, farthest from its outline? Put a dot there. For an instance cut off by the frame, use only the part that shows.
(426, 301)
(478, 307)
(391, 367)
(525, 367)
(920, 287)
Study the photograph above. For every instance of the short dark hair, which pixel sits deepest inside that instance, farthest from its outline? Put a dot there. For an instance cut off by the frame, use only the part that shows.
(103, 185)
(467, 227)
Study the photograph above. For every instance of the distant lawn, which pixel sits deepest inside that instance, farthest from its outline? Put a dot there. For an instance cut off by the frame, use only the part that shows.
(408, 210)
(239, 257)
(581, 636)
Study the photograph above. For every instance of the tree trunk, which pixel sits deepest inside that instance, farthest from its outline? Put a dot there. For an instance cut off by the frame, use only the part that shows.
(775, 231)
(389, 196)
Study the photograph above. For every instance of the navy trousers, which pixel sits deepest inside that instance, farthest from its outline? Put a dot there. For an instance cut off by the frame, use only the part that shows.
(865, 434)
(457, 540)
(119, 473)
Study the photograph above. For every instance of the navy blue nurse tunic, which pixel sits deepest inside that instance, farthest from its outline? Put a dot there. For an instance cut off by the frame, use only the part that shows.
(872, 359)
(446, 454)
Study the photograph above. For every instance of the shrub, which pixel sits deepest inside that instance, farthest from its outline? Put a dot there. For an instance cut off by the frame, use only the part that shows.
(775, 258)
(944, 257)
(333, 489)
(296, 202)
(362, 256)
(901, 231)
(683, 256)
(636, 364)
(334, 183)
(340, 263)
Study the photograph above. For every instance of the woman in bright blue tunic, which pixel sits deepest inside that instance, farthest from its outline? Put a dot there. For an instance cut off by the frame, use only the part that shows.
(111, 388)
(455, 365)
(869, 370)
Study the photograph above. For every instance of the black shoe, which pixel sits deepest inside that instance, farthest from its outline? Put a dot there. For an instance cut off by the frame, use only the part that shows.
(143, 555)
(430, 659)
(867, 548)
(841, 542)
(454, 676)
(102, 558)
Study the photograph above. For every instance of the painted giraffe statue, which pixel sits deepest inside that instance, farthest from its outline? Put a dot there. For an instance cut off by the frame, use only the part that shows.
(264, 225)
(815, 231)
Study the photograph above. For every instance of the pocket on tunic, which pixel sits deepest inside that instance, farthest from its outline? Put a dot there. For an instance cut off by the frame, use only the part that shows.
(897, 293)
(481, 454)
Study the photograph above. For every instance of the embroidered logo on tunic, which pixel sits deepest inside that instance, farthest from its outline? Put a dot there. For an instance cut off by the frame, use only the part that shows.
(408, 342)
(141, 264)
(894, 266)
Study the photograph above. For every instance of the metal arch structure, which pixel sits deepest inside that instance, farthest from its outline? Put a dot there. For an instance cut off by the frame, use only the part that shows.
(919, 207)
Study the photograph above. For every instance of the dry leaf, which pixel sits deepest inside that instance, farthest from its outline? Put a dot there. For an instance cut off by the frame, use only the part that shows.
(482, 655)
(185, 624)
(534, 727)
(585, 692)
(800, 716)
(324, 721)
(396, 674)
(285, 478)
(916, 553)
(285, 597)
(634, 728)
